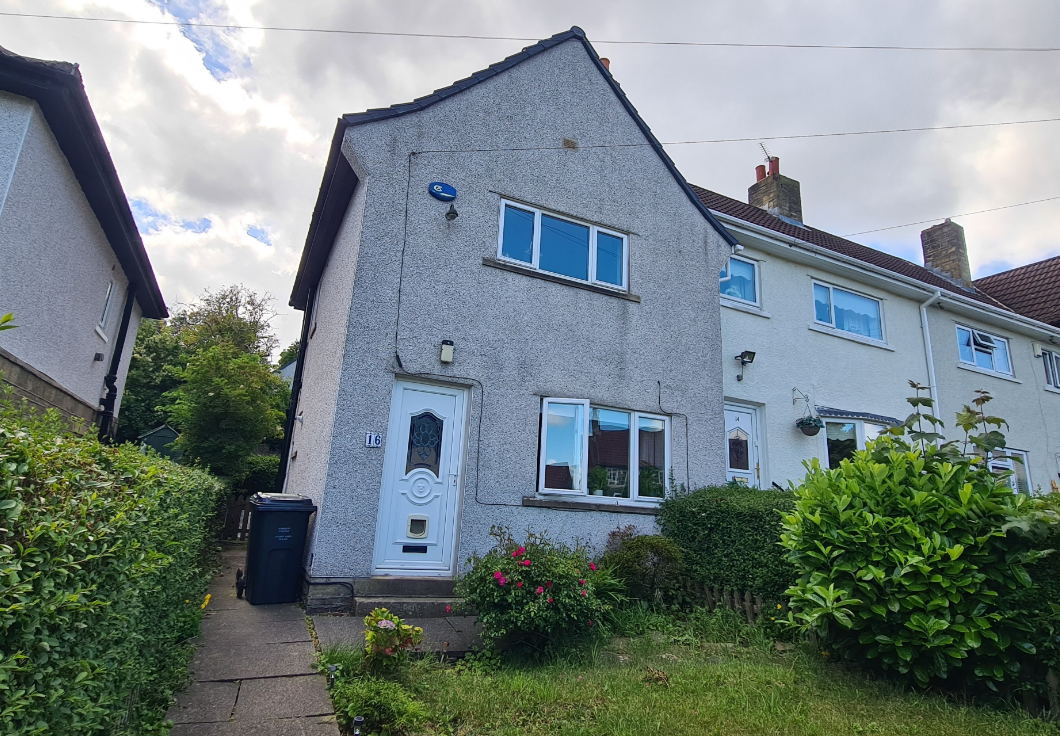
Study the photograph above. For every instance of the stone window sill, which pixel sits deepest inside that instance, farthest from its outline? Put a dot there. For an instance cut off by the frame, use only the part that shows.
(742, 307)
(850, 336)
(1051, 390)
(532, 273)
(568, 504)
(984, 372)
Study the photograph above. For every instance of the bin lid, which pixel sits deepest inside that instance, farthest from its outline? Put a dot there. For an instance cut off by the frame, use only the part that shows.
(282, 502)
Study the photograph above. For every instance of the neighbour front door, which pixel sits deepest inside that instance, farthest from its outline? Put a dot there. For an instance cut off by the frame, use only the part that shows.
(422, 477)
(741, 445)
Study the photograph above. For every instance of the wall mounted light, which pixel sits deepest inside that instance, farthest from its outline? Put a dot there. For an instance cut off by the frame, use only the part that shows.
(447, 351)
(451, 214)
(745, 358)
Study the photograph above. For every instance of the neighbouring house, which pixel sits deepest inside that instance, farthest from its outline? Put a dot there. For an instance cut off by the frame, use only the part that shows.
(161, 439)
(510, 319)
(837, 329)
(73, 269)
(286, 372)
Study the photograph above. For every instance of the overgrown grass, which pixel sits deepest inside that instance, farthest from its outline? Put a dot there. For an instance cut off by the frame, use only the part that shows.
(724, 677)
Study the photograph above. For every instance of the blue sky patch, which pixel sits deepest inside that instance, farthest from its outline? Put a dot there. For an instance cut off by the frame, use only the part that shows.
(260, 234)
(200, 226)
(219, 55)
(148, 219)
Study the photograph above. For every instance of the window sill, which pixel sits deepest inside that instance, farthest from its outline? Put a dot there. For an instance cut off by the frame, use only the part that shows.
(515, 268)
(742, 307)
(984, 372)
(102, 334)
(850, 336)
(1051, 390)
(569, 504)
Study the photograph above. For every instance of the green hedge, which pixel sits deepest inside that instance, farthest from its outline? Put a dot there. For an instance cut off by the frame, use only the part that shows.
(105, 554)
(729, 537)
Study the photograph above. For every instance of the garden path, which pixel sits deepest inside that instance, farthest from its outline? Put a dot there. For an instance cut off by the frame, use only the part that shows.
(253, 671)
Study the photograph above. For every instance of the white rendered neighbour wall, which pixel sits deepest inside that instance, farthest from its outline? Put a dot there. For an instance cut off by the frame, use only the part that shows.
(56, 261)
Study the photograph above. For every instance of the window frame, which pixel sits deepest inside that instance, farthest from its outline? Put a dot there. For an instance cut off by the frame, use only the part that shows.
(1011, 373)
(757, 283)
(634, 454)
(105, 317)
(882, 340)
(1005, 460)
(1051, 360)
(859, 432)
(535, 257)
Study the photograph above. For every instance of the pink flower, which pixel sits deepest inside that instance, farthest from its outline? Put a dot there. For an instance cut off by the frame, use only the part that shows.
(591, 623)
(448, 609)
(581, 582)
(502, 580)
(548, 584)
(585, 593)
(498, 575)
(518, 552)
(519, 584)
(549, 600)
(592, 566)
(526, 563)
(540, 590)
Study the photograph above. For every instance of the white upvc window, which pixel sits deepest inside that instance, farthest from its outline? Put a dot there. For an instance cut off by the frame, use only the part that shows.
(563, 246)
(589, 450)
(1052, 368)
(847, 311)
(739, 280)
(1016, 464)
(843, 437)
(983, 350)
(106, 306)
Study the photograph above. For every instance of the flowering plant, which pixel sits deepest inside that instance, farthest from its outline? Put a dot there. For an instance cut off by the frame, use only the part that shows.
(388, 640)
(536, 594)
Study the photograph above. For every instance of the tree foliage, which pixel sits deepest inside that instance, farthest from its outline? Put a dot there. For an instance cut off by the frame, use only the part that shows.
(904, 554)
(228, 404)
(234, 316)
(157, 361)
(289, 354)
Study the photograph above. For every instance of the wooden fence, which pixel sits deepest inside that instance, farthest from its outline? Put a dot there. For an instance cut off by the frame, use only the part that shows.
(237, 517)
(751, 604)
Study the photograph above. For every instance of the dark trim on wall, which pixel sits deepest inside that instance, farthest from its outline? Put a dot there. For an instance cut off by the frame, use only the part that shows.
(57, 89)
(544, 276)
(296, 390)
(107, 426)
(563, 504)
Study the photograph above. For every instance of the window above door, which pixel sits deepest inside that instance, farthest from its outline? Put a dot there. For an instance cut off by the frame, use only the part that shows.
(563, 246)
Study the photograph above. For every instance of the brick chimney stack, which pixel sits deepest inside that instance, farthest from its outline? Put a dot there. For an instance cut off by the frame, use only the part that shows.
(778, 195)
(946, 251)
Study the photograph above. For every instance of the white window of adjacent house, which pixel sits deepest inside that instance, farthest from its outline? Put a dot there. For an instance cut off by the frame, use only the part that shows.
(983, 350)
(739, 280)
(101, 327)
(1015, 463)
(843, 437)
(844, 310)
(589, 450)
(563, 246)
(1052, 368)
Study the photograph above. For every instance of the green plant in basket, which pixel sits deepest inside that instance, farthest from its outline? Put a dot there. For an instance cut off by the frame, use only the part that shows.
(388, 640)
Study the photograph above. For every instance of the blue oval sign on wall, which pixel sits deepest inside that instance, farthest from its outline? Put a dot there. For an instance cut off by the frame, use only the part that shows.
(441, 191)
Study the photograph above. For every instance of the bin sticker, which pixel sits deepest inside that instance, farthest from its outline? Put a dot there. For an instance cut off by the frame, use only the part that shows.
(283, 534)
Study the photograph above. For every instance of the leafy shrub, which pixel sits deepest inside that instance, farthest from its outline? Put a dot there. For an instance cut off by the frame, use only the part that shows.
(388, 640)
(259, 474)
(729, 537)
(536, 595)
(386, 706)
(104, 559)
(650, 567)
(904, 556)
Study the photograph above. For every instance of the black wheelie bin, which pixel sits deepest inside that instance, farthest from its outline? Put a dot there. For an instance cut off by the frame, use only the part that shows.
(278, 526)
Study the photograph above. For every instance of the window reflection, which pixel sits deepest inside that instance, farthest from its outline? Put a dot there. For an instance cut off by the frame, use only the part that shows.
(842, 439)
(741, 283)
(651, 446)
(609, 251)
(608, 453)
(822, 304)
(518, 240)
(564, 248)
(857, 314)
(563, 452)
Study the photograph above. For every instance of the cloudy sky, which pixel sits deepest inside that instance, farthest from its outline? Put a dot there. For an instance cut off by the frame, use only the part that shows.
(220, 136)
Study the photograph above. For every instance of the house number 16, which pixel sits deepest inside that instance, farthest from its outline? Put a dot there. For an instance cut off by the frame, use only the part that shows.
(373, 439)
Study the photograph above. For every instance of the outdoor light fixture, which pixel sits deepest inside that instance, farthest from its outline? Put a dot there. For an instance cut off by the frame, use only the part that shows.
(747, 356)
(452, 214)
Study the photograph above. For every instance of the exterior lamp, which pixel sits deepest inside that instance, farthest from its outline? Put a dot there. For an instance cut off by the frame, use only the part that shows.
(746, 357)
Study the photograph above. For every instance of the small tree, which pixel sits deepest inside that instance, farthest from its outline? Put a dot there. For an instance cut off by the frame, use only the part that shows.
(157, 361)
(289, 354)
(233, 316)
(904, 554)
(229, 403)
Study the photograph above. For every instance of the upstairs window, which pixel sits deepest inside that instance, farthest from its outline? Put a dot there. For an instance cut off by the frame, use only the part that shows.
(844, 310)
(983, 350)
(1052, 368)
(739, 280)
(597, 451)
(563, 246)
(106, 306)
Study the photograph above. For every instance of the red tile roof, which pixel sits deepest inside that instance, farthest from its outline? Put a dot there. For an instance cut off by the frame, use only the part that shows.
(754, 215)
(1032, 290)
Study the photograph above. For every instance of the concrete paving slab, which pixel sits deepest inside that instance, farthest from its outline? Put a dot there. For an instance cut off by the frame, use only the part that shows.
(242, 661)
(238, 632)
(247, 613)
(325, 726)
(205, 702)
(283, 697)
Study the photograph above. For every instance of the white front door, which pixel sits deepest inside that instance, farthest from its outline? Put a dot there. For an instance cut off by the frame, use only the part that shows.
(422, 476)
(741, 445)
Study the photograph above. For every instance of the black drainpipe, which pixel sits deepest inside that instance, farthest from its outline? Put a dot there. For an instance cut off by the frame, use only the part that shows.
(296, 389)
(106, 417)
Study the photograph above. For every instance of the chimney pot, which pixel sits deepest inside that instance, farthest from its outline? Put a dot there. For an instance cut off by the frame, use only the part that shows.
(778, 195)
(760, 172)
(946, 250)
(606, 62)
(774, 166)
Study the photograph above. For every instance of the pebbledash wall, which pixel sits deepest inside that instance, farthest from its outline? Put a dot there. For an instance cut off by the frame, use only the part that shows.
(48, 229)
(517, 338)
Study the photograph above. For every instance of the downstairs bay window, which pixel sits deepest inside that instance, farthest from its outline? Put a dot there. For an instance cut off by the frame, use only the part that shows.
(589, 450)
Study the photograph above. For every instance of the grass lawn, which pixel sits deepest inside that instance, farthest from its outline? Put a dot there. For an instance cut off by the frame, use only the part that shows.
(699, 689)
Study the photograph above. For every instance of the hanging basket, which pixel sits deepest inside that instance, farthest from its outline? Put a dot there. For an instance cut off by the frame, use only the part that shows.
(810, 426)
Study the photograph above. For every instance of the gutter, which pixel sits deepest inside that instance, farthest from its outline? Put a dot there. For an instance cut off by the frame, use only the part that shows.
(107, 426)
(929, 356)
(296, 390)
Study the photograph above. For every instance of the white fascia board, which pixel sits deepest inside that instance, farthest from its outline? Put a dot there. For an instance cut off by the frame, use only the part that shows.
(801, 251)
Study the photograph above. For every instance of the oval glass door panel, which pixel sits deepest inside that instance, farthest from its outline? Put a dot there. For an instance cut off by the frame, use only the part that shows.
(425, 440)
